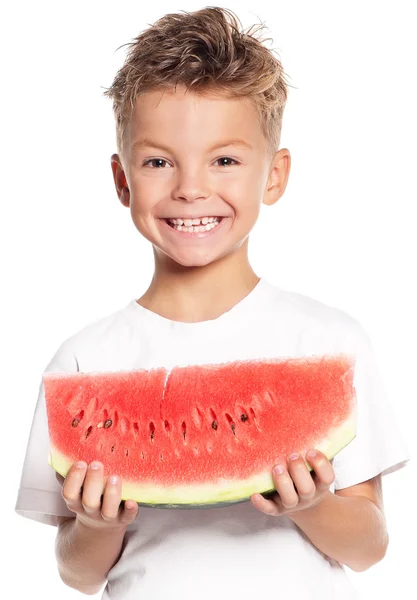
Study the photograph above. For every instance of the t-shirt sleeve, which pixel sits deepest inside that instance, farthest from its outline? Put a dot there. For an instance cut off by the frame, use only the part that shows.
(39, 495)
(379, 446)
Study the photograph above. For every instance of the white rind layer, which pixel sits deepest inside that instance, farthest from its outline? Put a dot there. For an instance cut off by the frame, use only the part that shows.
(222, 491)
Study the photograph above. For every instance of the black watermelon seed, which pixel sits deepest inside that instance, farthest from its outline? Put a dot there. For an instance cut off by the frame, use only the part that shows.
(214, 425)
(244, 417)
(108, 423)
(88, 432)
(75, 422)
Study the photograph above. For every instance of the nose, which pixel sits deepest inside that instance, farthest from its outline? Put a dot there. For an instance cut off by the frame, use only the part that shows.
(190, 187)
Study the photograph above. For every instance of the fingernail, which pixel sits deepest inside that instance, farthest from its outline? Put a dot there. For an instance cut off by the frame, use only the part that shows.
(80, 464)
(279, 469)
(113, 479)
(311, 454)
(95, 465)
(294, 456)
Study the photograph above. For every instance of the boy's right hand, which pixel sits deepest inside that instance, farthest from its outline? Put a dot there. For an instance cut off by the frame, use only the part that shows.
(82, 490)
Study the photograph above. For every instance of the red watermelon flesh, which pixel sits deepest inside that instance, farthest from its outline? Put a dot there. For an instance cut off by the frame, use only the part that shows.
(203, 434)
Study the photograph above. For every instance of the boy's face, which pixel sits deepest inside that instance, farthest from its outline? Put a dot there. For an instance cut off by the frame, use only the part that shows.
(171, 170)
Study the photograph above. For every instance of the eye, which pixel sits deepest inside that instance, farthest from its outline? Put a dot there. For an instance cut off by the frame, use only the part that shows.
(161, 160)
(227, 158)
(152, 160)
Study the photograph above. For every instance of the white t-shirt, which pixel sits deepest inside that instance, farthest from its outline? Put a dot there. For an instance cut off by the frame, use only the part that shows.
(231, 551)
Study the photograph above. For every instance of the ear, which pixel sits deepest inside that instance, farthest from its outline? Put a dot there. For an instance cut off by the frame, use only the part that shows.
(278, 177)
(120, 182)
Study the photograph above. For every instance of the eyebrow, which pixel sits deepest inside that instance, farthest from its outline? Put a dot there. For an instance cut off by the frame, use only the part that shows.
(145, 142)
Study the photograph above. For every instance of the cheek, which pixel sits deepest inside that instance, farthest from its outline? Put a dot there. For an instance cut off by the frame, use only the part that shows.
(143, 199)
(247, 206)
(146, 190)
(249, 191)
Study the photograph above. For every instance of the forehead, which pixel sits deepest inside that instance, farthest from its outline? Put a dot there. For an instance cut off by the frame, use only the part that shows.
(204, 116)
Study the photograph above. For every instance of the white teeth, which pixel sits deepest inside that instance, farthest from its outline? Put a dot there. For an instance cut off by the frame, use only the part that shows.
(190, 222)
(194, 227)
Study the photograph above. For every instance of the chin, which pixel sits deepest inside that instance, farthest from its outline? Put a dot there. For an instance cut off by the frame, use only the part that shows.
(193, 261)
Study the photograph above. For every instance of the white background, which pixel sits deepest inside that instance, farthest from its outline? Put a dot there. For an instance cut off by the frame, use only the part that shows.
(344, 232)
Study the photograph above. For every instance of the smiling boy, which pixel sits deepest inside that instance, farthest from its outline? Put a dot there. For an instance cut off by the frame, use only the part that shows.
(175, 167)
(198, 107)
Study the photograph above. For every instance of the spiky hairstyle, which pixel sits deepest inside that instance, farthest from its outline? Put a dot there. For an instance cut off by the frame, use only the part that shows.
(206, 51)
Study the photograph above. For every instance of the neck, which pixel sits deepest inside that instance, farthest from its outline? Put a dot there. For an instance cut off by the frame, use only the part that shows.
(193, 294)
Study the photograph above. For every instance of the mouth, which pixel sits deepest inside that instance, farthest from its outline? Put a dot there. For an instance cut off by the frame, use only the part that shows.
(203, 233)
(197, 225)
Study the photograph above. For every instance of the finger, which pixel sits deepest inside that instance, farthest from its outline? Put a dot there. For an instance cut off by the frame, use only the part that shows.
(323, 469)
(268, 507)
(93, 489)
(111, 499)
(71, 488)
(129, 513)
(285, 487)
(112, 509)
(301, 477)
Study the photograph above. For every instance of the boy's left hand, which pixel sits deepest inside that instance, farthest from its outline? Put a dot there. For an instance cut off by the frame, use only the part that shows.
(296, 487)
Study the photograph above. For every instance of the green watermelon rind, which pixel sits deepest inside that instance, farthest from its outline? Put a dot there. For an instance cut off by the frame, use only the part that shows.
(223, 491)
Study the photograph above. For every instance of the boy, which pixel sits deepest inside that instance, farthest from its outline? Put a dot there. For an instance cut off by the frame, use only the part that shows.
(198, 109)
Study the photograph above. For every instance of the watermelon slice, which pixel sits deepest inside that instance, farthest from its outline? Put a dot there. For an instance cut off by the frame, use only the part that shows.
(204, 434)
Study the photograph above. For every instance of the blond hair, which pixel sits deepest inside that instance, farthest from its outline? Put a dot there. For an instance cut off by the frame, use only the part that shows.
(206, 52)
